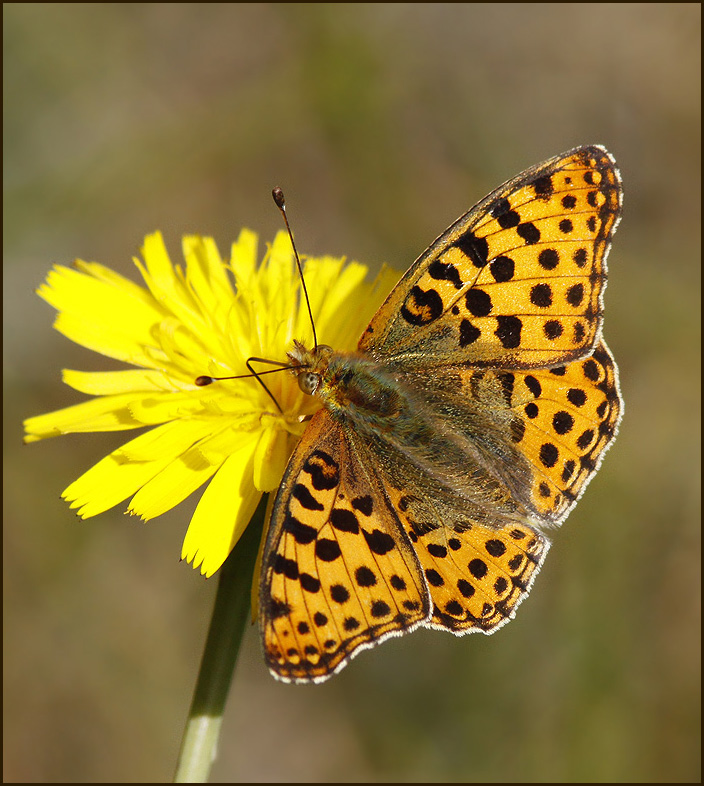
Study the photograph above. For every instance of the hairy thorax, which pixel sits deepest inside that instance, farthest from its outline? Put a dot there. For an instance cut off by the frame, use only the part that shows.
(352, 387)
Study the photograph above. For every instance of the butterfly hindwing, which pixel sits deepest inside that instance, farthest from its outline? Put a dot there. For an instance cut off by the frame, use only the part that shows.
(568, 417)
(338, 573)
(517, 281)
(543, 432)
(477, 570)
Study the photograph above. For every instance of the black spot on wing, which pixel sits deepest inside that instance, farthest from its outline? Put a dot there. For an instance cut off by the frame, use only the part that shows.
(476, 248)
(422, 307)
(323, 470)
(444, 271)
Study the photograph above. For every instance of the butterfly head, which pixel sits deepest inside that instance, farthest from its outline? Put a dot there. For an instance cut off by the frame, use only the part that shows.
(309, 365)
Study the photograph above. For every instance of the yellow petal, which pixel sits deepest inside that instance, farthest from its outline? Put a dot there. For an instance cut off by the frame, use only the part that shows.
(166, 285)
(112, 413)
(109, 413)
(117, 477)
(186, 473)
(223, 512)
(271, 455)
(160, 407)
(106, 383)
(167, 441)
(113, 319)
(160, 273)
(116, 280)
(176, 481)
(207, 274)
(244, 258)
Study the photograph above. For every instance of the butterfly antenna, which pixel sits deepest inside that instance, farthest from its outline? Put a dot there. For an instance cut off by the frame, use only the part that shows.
(280, 201)
(205, 380)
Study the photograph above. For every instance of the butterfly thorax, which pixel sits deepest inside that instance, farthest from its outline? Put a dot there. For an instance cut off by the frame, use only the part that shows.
(352, 387)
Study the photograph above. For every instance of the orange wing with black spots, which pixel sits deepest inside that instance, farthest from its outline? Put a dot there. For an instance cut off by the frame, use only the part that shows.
(338, 572)
(478, 408)
(477, 571)
(569, 416)
(517, 281)
(360, 549)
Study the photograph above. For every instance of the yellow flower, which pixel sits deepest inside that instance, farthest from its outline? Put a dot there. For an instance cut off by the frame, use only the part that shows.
(206, 319)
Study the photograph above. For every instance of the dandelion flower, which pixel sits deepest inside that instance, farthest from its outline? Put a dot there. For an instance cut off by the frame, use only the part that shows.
(207, 318)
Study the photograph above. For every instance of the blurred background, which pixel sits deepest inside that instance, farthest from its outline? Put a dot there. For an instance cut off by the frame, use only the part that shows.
(383, 123)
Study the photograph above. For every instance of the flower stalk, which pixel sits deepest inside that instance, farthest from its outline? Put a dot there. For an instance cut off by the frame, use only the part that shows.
(227, 625)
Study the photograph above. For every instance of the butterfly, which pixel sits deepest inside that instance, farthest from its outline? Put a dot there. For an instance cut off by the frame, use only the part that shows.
(477, 408)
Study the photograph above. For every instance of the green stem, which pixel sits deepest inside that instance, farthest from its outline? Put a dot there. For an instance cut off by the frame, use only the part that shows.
(230, 614)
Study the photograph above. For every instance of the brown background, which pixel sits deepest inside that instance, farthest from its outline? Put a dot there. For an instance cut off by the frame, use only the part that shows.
(383, 122)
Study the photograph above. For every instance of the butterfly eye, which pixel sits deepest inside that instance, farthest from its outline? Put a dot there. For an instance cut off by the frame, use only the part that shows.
(308, 382)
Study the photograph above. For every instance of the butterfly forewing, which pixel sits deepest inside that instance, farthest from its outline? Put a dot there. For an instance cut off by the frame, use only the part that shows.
(517, 281)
